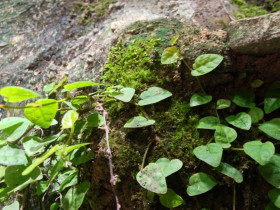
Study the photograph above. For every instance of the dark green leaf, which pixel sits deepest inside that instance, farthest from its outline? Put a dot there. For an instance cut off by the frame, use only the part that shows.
(80, 155)
(260, 152)
(256, 114)
(209, 122)
(153, 95)
(230, 171)
(274, 196)
(271, 171)
(210, 154)
(243, 98)
(138, 122)
(95, 120)
(272, 98)
(170, 199)
(75, 196)
(256, 83)
(79, 100)
(199, 99)
(206, 63)
(200, 183)
(224, 135)
(271, 128)
(242, 120)
(271, 206)
(223, 103)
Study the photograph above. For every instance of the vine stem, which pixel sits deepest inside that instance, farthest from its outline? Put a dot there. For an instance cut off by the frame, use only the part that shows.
(113, 178)
(198, 81)
(145, 154)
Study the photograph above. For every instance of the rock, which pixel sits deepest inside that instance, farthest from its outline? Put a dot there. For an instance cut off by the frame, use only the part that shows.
(255, 36)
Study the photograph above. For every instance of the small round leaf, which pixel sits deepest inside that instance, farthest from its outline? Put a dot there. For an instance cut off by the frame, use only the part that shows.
(199, 99)
(170, 55)
(138, 122)
(169, 167)
(210, 154)
(170, 199)
(209, 122)
(223, 103)
(242, 120)
(256, 114)
(224, 135)
(153, 95)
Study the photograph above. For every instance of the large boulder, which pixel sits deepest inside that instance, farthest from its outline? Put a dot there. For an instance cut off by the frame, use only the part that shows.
(255, 36)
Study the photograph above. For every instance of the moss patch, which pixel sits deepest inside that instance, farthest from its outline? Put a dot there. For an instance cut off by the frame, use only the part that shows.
(247, 10)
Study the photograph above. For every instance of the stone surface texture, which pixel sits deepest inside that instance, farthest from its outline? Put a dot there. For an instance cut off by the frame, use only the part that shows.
(255, 36)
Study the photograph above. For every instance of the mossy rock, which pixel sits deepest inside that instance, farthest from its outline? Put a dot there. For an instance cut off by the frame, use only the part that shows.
(135, 62)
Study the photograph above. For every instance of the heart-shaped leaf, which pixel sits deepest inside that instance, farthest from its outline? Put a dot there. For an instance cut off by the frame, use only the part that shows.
(153, 95)
(138, 122)
(271, 206)
(242, 120)
(209, 122)
(14, 94)
(13, 177)
(81, 84)
(12, 155)
(230, 171)
(125, 94)
(260, 152)
(42, 112)
(206, 63)
(256, 114)
(170, 199)
(69, 119)
(272, 98)
(210, 154)
(152, 179)
(224, 135)
(200, 183)
(223, 103)
(274, 196)
(256, 83)
(271, 128)
(95, 120)
(271, 171)
(198, 99)
(170, 55)
(169, 167)
(74, 197)
(243, 98)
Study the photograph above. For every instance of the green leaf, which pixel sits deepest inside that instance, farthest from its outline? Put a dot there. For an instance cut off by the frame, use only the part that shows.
(79, 156)
(95, 120)
(41, 187)
(13, 177)
(271, 171)
(79, 100)
(260, 152)
(256, 83)
(138, 122)
(70, 180)
(16, 131)
(242, 120)
(39, 160)
(256, 114)
(209, 122)
(72, 106)
(272, 98)
(125, 94)
(81, 84)
(274, 196)
(199, 99)
(170, 199)
(174, 39)
(47, 88)
(13, 206)
(230, 171)
(54, 206)
(75, 196)
(170, 55)
(223, 104)
(271, 128)
(271, 206)
(11, 121)
(69, 119)
(200, 183)
(12, 155)
(34, 145)
(224, 135)
(2, 171)
(206, 63)
(169, 167)
(153, 95)
(42, 112)
(152, 178)
(13, 94)
(243, 98)
(210, 154)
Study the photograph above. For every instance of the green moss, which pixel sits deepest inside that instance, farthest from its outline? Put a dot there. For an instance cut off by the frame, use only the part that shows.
(247, 10)
(132, 65)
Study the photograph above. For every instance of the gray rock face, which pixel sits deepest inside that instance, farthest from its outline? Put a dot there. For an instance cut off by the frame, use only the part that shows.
(256, 36)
